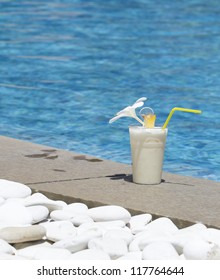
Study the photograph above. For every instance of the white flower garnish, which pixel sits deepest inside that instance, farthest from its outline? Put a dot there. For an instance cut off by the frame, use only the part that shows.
(130, 111)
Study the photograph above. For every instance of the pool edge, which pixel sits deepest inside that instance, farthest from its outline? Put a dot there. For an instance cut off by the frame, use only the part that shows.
(76, 177)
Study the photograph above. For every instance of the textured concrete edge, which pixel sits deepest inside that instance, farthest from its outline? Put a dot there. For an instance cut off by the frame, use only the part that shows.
(70, 199)
(68, 176)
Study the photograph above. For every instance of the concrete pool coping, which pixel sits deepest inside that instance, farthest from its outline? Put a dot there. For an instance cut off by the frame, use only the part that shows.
(75, 177)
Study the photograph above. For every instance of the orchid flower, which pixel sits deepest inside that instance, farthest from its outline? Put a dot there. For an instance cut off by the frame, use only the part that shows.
(130, 111)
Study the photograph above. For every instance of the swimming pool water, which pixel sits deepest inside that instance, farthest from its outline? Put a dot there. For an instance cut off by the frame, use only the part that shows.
(68, 66)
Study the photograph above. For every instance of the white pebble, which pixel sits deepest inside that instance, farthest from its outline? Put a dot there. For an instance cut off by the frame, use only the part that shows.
(197, 249)
(43, 253)
(214, 254)
(137, 223)
(78, 243)
(142, 239)
(163, 224)
(111, 224)
(2, 200)
(160, 251)
(66, 215)
(193, 228)
(6, 248)
(13, 189)
(61, 215)
(132, 256)
(198, 229)
(23, 245)
(51, 253)
(214, 235)
(38, 212)
(22, 234)
(76, 208)
(182, 257)
(29, 251)
(179, 239)
(121, 233)
(81, 219)
(4, 256)
(59, 230)
(90, 254)
(88, 226)
(14, 214)
(109, 213)
(100, 226)
(40, 199)
(156, 237)
(115, 248)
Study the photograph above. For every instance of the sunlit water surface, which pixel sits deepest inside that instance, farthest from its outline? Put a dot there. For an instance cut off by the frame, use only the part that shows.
(68, 66)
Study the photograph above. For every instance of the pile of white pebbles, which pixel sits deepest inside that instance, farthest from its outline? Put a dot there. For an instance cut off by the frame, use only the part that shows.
(34, 227)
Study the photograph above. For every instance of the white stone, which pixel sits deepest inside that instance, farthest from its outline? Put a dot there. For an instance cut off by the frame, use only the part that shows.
(146, 237)
(78, 243)
(160, 229)
(111, 224)
(14, 214)
(67, 215)
(38, 212)
(76, 208)
(13, 189)
(87, 226)
(23, 245)
(182, 257)
(16, 200)
(59, 230)
(115, 248)
(22, 234)
(197, 249)
(137, 223)
(195, 228)
(6, 248)
(198, 229)
(52, 253)
(81, 219)
(179, 239)
(109, 213)
(191, 233)
(100, 226)
(163, 224)
(5, 256)
(160, 251)
(40, 199)
(90, 254)
(132, 256)
(154, 237)
(29, 252)
(61, 215)
(44, 253)
(214, 254)
(121, 233)
(213, 235)
(2, 200)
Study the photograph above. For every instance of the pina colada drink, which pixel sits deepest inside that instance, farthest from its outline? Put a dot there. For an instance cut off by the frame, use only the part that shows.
(147, 149)
(147, 142)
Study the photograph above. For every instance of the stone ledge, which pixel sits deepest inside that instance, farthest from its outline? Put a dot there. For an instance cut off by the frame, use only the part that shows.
(75, 177)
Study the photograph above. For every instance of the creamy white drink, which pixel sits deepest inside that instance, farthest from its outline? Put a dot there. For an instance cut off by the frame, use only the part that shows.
(147, 141)
(147, 149)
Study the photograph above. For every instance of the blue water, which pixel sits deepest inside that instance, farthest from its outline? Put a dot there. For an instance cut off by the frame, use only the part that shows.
(68, 66)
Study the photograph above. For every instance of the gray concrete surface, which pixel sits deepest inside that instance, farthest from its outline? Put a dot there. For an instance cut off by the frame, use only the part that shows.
(75, 177)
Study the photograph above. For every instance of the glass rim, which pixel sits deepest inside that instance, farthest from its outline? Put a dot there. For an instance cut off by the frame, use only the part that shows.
(142, 127)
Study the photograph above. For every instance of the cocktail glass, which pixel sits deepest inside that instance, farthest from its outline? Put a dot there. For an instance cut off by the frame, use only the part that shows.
(147, 150)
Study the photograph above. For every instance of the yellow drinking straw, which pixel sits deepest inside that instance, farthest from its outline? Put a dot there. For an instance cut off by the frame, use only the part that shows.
(179, 109)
